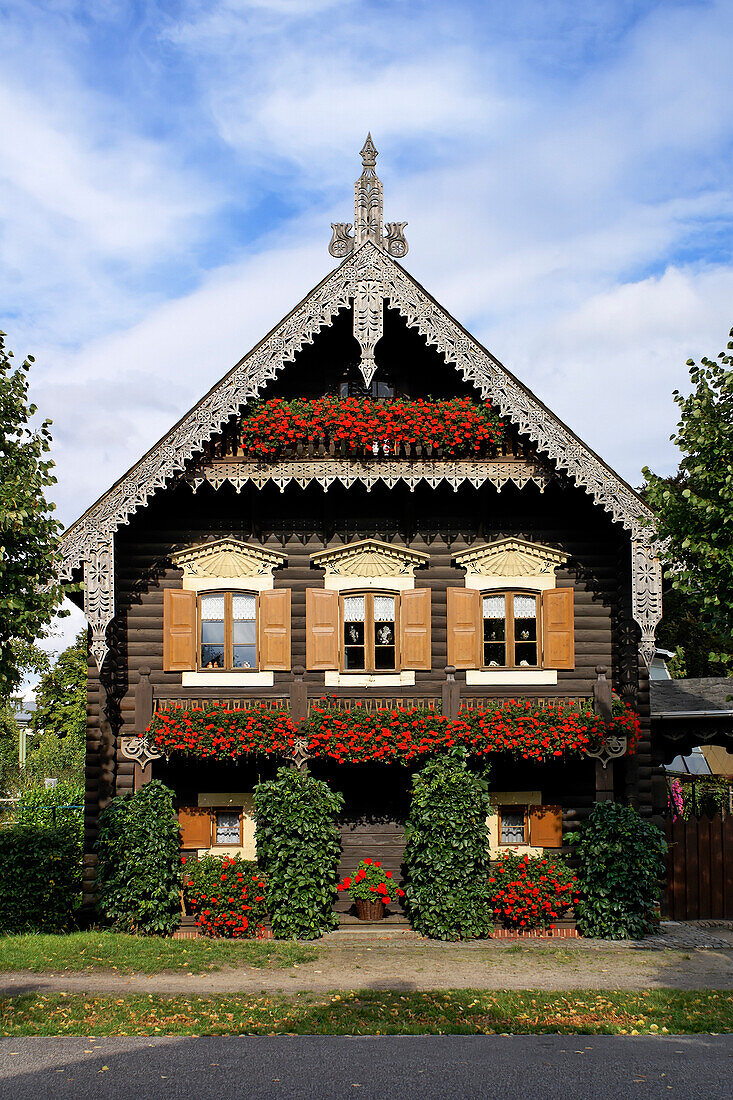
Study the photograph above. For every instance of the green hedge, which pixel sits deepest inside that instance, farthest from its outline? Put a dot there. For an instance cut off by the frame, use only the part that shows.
(40, 878)
(621, 869)
(447, 853)
(298, 852)
(139, 870)
(226, 895)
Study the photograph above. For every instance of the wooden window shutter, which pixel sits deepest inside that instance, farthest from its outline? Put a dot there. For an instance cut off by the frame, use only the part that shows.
(415, 629)
(558, 628)
(179, 630)
(321, 629)
(195, 825)
(545, 826)
(464, 627)
(274, 630)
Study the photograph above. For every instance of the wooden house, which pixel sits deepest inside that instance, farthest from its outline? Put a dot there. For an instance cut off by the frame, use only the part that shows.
(405, 575)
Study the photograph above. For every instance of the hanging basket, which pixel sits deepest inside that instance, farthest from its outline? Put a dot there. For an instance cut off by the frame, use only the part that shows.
(369, 910)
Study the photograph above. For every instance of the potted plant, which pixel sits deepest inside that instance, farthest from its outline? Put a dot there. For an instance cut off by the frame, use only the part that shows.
(371, 889)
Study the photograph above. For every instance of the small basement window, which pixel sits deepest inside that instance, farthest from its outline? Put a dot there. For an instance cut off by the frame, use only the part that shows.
(512, 825)
(227, 827)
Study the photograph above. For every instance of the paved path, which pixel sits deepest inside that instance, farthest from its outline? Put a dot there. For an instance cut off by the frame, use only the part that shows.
(545, 1067)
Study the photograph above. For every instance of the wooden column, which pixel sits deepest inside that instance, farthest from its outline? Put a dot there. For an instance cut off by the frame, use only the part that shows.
(451, 693)
(298, 696)
(602, 706)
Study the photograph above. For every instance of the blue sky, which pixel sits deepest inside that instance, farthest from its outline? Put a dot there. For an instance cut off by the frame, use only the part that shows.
(170, 171)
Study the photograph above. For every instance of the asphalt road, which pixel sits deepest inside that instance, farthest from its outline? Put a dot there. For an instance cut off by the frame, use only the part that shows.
(530, 1067)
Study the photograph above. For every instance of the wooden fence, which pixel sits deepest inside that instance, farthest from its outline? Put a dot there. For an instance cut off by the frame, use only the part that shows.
(700, 868)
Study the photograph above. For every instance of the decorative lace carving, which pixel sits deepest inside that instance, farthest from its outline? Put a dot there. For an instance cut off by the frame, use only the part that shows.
(348, 472)
(370, 558)
(511, 558)
(646, 594)
(138, 749)
(99, 595)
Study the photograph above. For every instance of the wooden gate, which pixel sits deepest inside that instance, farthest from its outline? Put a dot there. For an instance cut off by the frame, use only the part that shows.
(700, 868)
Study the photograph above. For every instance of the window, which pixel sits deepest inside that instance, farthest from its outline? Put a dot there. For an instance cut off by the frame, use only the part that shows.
(227, 829)
(369, 624)
(228, 630)
(512, 825)
(511, 637)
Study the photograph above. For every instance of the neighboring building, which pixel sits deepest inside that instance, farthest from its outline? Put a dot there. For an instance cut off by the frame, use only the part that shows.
(212, 576)
(692, 724)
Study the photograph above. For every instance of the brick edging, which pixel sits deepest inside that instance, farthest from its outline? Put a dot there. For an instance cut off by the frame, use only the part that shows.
(550, 934)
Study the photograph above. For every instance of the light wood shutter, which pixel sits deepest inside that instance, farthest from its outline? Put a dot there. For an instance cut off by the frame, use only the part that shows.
(179, 630)
(464, 627)
(321, 629)
(274, 630)
(195, 825)
(545, 826)
(558, 628)
(415, 629)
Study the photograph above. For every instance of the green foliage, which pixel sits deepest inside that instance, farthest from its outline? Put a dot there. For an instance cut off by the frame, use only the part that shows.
(139, 873)
(54, 757)
(9, 746)
(225, 895)
(61, 693)
(29, 532)
(40, 878)
(447, 852)
(621, 868)
(298, 851)
(695, 508)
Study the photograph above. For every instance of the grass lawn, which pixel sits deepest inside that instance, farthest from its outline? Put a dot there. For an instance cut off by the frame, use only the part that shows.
(454, 1012)
(144, 954)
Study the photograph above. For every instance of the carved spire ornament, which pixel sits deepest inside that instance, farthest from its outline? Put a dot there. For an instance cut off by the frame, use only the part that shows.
(368, 226)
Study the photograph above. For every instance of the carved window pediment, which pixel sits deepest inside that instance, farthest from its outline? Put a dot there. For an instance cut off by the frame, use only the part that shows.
(227, 558)
(370, 558)
(511, 558)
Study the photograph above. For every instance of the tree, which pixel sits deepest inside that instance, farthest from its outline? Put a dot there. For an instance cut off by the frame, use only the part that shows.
(29, 593)
(694, 510)
(61, 693)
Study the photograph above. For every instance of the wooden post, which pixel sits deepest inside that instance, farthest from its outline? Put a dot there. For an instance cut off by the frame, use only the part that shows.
(143, 701)
(451, 693)
(298, 696)
(602, 706)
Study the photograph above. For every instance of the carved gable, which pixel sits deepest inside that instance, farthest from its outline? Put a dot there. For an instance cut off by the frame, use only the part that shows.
(370, 558)
(226, 559)
(511, 558)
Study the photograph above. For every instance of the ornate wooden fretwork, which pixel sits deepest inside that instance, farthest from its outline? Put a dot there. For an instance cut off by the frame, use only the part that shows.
(140, 750)
(227, 558)
(347, 472)
(90, 541)
(511, 558)
(370, 558)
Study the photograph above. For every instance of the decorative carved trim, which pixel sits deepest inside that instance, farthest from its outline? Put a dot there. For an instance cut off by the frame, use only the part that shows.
(299, 755)
(227, 558)
(613, 747)
(646, 594)
(370, 558)
(511, 558)
(348, 472)
(139, 750)
(99, 595)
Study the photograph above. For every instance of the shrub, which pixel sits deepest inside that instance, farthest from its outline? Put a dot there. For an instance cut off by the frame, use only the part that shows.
(40, 878)
(447, 852)
(371, 883)
(622, 864)
(298, 851)
(139, 872)
(531, 891)
(225, 895)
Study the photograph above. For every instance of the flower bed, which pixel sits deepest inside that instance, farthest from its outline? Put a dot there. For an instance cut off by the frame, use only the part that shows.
(531, 892)
(354, 425)
(525, 729)
(225, 895)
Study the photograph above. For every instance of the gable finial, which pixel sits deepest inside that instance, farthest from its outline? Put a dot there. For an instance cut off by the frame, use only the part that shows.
(368, 214)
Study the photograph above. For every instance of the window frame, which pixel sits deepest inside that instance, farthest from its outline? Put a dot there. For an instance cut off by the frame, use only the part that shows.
(509, 639)
(369, 654)
(227, 593)
(511, 808)
(239, 810)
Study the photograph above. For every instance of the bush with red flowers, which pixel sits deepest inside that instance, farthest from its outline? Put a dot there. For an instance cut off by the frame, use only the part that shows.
(354, 425)
(217, 733)
(225, 895)
(530, 892)
(371, 882)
